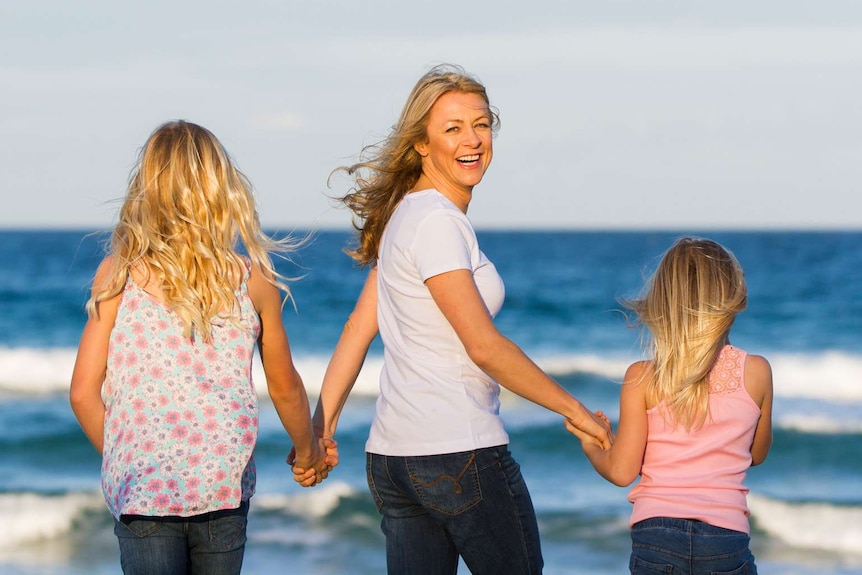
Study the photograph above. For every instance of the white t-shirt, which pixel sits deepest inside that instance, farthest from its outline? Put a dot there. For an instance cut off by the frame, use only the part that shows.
(433, 398)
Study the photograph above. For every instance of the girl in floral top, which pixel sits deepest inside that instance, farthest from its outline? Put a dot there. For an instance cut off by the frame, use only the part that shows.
(162, 383)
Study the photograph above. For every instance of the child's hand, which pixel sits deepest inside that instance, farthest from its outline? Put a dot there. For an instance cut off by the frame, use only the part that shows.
(302, 474)
(305, 477)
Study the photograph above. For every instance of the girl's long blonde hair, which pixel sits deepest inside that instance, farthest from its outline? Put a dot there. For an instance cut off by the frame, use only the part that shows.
(689, 307)
(388, 170)
(185, 209)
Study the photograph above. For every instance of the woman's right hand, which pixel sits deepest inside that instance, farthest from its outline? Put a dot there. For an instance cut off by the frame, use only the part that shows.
(592, 428)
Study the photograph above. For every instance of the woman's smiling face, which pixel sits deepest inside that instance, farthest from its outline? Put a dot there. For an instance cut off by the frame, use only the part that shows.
(458, 148)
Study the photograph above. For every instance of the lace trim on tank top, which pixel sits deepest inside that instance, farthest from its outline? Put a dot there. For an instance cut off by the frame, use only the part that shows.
(726, 374)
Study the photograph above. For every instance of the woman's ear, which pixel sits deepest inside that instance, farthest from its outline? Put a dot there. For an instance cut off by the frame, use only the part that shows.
(421, 148)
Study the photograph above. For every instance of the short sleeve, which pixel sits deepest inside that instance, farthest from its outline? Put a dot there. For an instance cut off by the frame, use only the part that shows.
(443, 243)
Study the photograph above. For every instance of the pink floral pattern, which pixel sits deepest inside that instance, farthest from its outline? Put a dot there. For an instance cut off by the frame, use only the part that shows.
(726, 374)
(181, 416)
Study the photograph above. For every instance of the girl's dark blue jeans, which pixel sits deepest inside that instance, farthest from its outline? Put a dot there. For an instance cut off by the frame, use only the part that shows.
(208, 544)
(685, 546)
(474, 504)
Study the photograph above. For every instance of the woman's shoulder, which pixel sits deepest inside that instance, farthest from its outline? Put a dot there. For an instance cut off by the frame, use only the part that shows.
(426, 203)
(431, 216)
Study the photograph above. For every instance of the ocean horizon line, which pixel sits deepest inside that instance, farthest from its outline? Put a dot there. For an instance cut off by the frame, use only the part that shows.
(497, 228)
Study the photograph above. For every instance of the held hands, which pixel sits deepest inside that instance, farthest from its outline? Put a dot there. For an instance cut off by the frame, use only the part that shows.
(310, 471)
(592, 429)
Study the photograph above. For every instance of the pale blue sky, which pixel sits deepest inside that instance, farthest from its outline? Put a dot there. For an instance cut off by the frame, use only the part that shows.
(615, 114)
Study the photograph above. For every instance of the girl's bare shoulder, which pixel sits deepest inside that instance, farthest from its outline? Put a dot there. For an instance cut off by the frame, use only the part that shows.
(639, 372)
(758, 378)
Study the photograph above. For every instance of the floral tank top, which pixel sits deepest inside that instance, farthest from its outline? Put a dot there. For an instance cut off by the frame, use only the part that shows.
(181, 416)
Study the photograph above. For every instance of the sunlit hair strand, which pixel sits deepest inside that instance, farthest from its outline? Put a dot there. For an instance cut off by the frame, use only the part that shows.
(688, 308)
(186, 208)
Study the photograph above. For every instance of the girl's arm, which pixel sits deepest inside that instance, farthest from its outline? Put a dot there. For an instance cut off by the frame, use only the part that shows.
(458, 298)
(283, 381)
(347, 359)
(621, 464)
(85, 391)
(758, 383)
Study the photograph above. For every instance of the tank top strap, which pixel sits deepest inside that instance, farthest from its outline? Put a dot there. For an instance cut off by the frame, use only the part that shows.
(727, 373)
(243, 286)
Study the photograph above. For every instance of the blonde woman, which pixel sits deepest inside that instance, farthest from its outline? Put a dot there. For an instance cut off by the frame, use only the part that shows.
(438, 462)
(693, 419)
(162, 383)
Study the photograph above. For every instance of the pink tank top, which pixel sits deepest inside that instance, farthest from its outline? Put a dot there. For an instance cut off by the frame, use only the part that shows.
(698, 474)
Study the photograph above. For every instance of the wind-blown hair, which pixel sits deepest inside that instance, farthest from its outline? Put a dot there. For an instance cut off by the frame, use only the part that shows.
(185, 209)
(689, 307)
(388, 170)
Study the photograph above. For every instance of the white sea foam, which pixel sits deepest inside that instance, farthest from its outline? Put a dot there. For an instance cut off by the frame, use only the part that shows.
(610, 367)
(33, 370)
(37, 371)
(311, 503)
(818, 423)
(42, 517)
(39, 518)
(830, 376)
(836, 528)
(43, 371)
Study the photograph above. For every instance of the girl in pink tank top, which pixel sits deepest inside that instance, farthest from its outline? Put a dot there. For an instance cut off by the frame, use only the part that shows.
(693, 419)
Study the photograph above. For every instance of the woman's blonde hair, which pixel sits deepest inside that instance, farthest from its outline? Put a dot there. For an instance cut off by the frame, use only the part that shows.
(689, 307)
(185, 209)
(388, 170)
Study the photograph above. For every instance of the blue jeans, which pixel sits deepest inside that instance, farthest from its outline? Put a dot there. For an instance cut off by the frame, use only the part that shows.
(436, 507)
(685, 546)
(208, 544)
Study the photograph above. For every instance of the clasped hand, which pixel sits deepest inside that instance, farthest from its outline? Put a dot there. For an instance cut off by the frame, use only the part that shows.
(310, 471)
(595, 429)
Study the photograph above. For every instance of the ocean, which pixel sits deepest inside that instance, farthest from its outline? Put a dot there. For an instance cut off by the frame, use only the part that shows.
(805, 316)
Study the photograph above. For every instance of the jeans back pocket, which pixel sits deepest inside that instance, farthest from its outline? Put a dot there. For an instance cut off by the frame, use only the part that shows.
(446, 483)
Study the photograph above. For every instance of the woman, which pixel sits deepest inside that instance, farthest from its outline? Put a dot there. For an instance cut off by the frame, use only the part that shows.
(437, 458)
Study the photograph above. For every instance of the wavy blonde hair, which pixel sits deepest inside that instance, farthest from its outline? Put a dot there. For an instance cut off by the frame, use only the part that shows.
(388, 170)
(688, 309)
(185, 209)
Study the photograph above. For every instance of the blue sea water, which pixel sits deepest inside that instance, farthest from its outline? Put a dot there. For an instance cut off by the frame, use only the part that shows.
(805, 316)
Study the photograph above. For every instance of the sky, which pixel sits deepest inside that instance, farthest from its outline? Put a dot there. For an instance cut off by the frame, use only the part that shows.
(616, 114)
